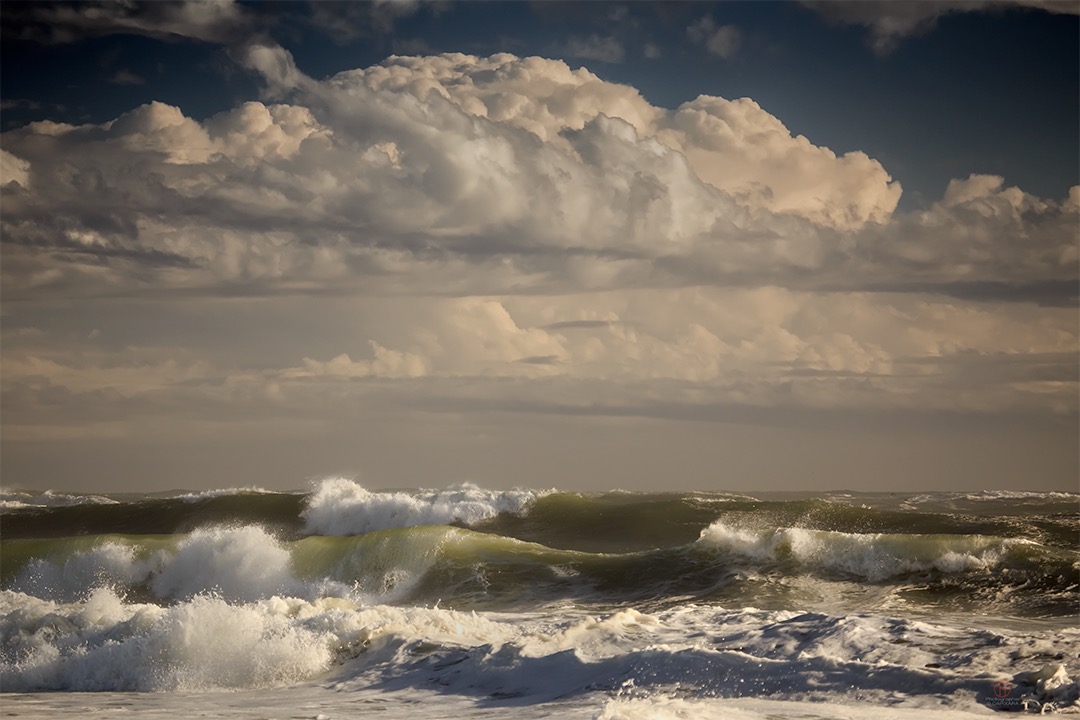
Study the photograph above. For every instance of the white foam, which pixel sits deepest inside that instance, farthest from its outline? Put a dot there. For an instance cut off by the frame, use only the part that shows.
(666, 707)
(110, 564)
(106, 644)
(234, 563)
(243, 563)
(873, 556)
(1045, 690)
(311, 702)
(668, 664)
(342, 507)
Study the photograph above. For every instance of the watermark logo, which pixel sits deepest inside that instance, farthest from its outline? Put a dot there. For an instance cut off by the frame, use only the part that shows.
(1002, 697)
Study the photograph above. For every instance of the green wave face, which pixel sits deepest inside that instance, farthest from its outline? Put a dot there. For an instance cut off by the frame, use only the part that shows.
(776, 567)
(466, 547)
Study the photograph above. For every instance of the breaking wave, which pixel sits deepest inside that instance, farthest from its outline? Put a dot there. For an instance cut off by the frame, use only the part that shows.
(341, 507)
(660, 602)
(874, 556)
(673, 658)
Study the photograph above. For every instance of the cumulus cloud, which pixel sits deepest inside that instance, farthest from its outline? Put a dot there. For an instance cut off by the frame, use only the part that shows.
(980, 231)
(385, 363)
(733, 145)
(486, 175)
(536, 174)
(506, 234)
(739, 147)
(722, 40)
(890, 21)
(13, 170)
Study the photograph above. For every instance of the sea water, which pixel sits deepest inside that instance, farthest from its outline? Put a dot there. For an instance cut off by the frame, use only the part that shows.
(342, 602)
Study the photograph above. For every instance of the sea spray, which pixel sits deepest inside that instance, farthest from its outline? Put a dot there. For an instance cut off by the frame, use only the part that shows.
(242, 563)
(104, 643)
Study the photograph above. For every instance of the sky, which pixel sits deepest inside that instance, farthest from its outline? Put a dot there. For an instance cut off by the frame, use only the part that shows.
(595, 245)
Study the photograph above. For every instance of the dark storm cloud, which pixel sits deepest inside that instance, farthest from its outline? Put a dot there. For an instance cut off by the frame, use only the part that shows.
(890, 21)
(214, 21)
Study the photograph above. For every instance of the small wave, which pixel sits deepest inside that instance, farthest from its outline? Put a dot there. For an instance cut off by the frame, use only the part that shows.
(342, 507)
(208, 494)
(873, 556)
(19, 499)
(994, 496)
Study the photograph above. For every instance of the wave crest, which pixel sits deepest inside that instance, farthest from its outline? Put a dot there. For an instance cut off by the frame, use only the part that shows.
(872, 556)
(340, 506)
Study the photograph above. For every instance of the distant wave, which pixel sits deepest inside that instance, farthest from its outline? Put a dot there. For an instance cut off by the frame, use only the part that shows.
(342, 507)
(226, 492)
(14, 499)
(873, 556)
(995, 496)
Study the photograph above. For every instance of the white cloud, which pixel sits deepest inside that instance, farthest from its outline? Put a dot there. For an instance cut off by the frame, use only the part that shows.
(979, 231)
(275, 65)
(485, 235)
(734, 145)
(385, 363)
(14, 170)
(484, 175)
(739, 147)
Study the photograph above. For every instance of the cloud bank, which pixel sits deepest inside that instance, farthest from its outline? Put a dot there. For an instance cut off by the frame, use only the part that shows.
(506, 234)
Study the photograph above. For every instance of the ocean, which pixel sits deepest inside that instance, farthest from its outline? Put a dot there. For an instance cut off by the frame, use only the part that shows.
(340, 602)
